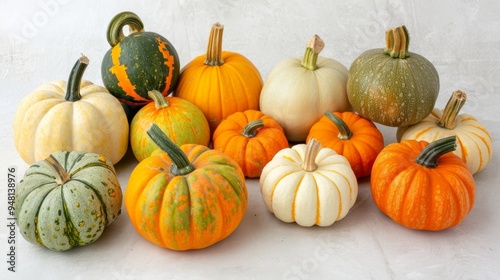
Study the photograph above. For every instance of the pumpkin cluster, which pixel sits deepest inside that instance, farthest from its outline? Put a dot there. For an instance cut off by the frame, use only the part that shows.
(308, 134)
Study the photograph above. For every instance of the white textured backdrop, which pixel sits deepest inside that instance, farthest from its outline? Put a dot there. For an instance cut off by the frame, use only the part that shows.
(40, 40)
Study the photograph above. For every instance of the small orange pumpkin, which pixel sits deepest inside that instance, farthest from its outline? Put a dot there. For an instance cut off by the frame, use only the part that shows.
(251, 139)
(421, 185)
(354, 137)
(220, 83)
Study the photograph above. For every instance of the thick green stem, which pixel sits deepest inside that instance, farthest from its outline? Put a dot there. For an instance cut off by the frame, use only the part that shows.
(180, 163)
(159, 99)
(75, 78)
(344, 132)
(431, 153)
(61, 175)
(397, 41)
(312, 150)
(214, 48)
(450, 112)
(115, 27)
(250, 130)
(313, 48)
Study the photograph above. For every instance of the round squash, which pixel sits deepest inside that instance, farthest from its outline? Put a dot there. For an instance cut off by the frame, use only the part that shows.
(393, 87)
(73, 116)
(309, 185)
(251, 139)
(67, 199)
(139, 62)
(423, 186)
(220, 82)
(475, 145)
(304, 88)
(179, 119)
(352, 136)
(187, 197)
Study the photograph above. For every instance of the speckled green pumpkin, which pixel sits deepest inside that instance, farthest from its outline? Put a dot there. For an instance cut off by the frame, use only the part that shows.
(139, 62)
(393, 87)
(67, 200)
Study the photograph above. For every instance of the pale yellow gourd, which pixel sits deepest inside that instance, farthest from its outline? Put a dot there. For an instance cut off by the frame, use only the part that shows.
(309, 185)
(474, 142)
(298, 91)
(73, 116)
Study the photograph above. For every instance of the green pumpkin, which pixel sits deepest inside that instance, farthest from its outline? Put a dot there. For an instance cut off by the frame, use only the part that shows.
(393, 87)
(138, 63)
(67, 200)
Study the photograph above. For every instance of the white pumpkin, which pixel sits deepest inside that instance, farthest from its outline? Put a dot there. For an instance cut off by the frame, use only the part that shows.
(309, 185)
(298, 91)
(73, 116)
(474, 142)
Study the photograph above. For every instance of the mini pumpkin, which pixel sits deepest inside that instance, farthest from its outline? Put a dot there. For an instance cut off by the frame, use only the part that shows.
(308, 185)
(352, 136)
(251, 139)
(72, 116)
(187, 197)
(423, 186)
(67, 200)
(474, 141)
(179, 119)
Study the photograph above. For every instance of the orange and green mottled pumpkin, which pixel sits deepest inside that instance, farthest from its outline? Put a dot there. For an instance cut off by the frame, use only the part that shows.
(139, 62)
(187, 197)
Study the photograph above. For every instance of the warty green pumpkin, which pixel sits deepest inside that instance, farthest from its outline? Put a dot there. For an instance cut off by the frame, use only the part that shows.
(67, 200)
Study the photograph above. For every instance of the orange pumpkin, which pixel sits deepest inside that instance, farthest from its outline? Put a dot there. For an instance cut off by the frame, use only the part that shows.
(181, 120)
(251, 139)
(354, 137)
(421, 185)
(187, 197)
(220, 83)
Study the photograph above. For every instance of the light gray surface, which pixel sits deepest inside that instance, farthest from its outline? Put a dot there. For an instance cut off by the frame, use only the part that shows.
(40, 41)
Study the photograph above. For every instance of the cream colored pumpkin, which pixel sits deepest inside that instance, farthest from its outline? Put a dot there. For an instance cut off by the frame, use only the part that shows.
(309, 185)
(474, 142)
(73, 116)
(298, 91)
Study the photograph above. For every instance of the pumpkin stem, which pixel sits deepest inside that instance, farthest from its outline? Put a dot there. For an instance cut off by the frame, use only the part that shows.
(455, 103)
(312, 150)
(61, 175)
(75, 78)
(397, 41)
(214, 49)
(344, 132)
(115, 28)
(431, 153)
(159, 99)
(313, 48)
(180, 162)
(250, 129)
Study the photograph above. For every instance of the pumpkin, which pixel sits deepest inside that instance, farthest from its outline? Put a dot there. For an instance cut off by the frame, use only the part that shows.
(251, 139)
(304, 88)
(139, 62)
(186, 197)
(352, 136)
(179, 119)
(422, 186)
(67, 200)
(393, 86)
(475, 146)
(308, 185)
(72, 116)
(220, 82)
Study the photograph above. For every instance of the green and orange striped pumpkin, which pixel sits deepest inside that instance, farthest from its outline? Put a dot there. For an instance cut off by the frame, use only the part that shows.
(138, 63)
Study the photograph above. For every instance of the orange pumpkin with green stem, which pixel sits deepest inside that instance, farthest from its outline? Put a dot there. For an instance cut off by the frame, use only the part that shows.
(251, 139)
(421, 185)
(354, 137)
(187, 197)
